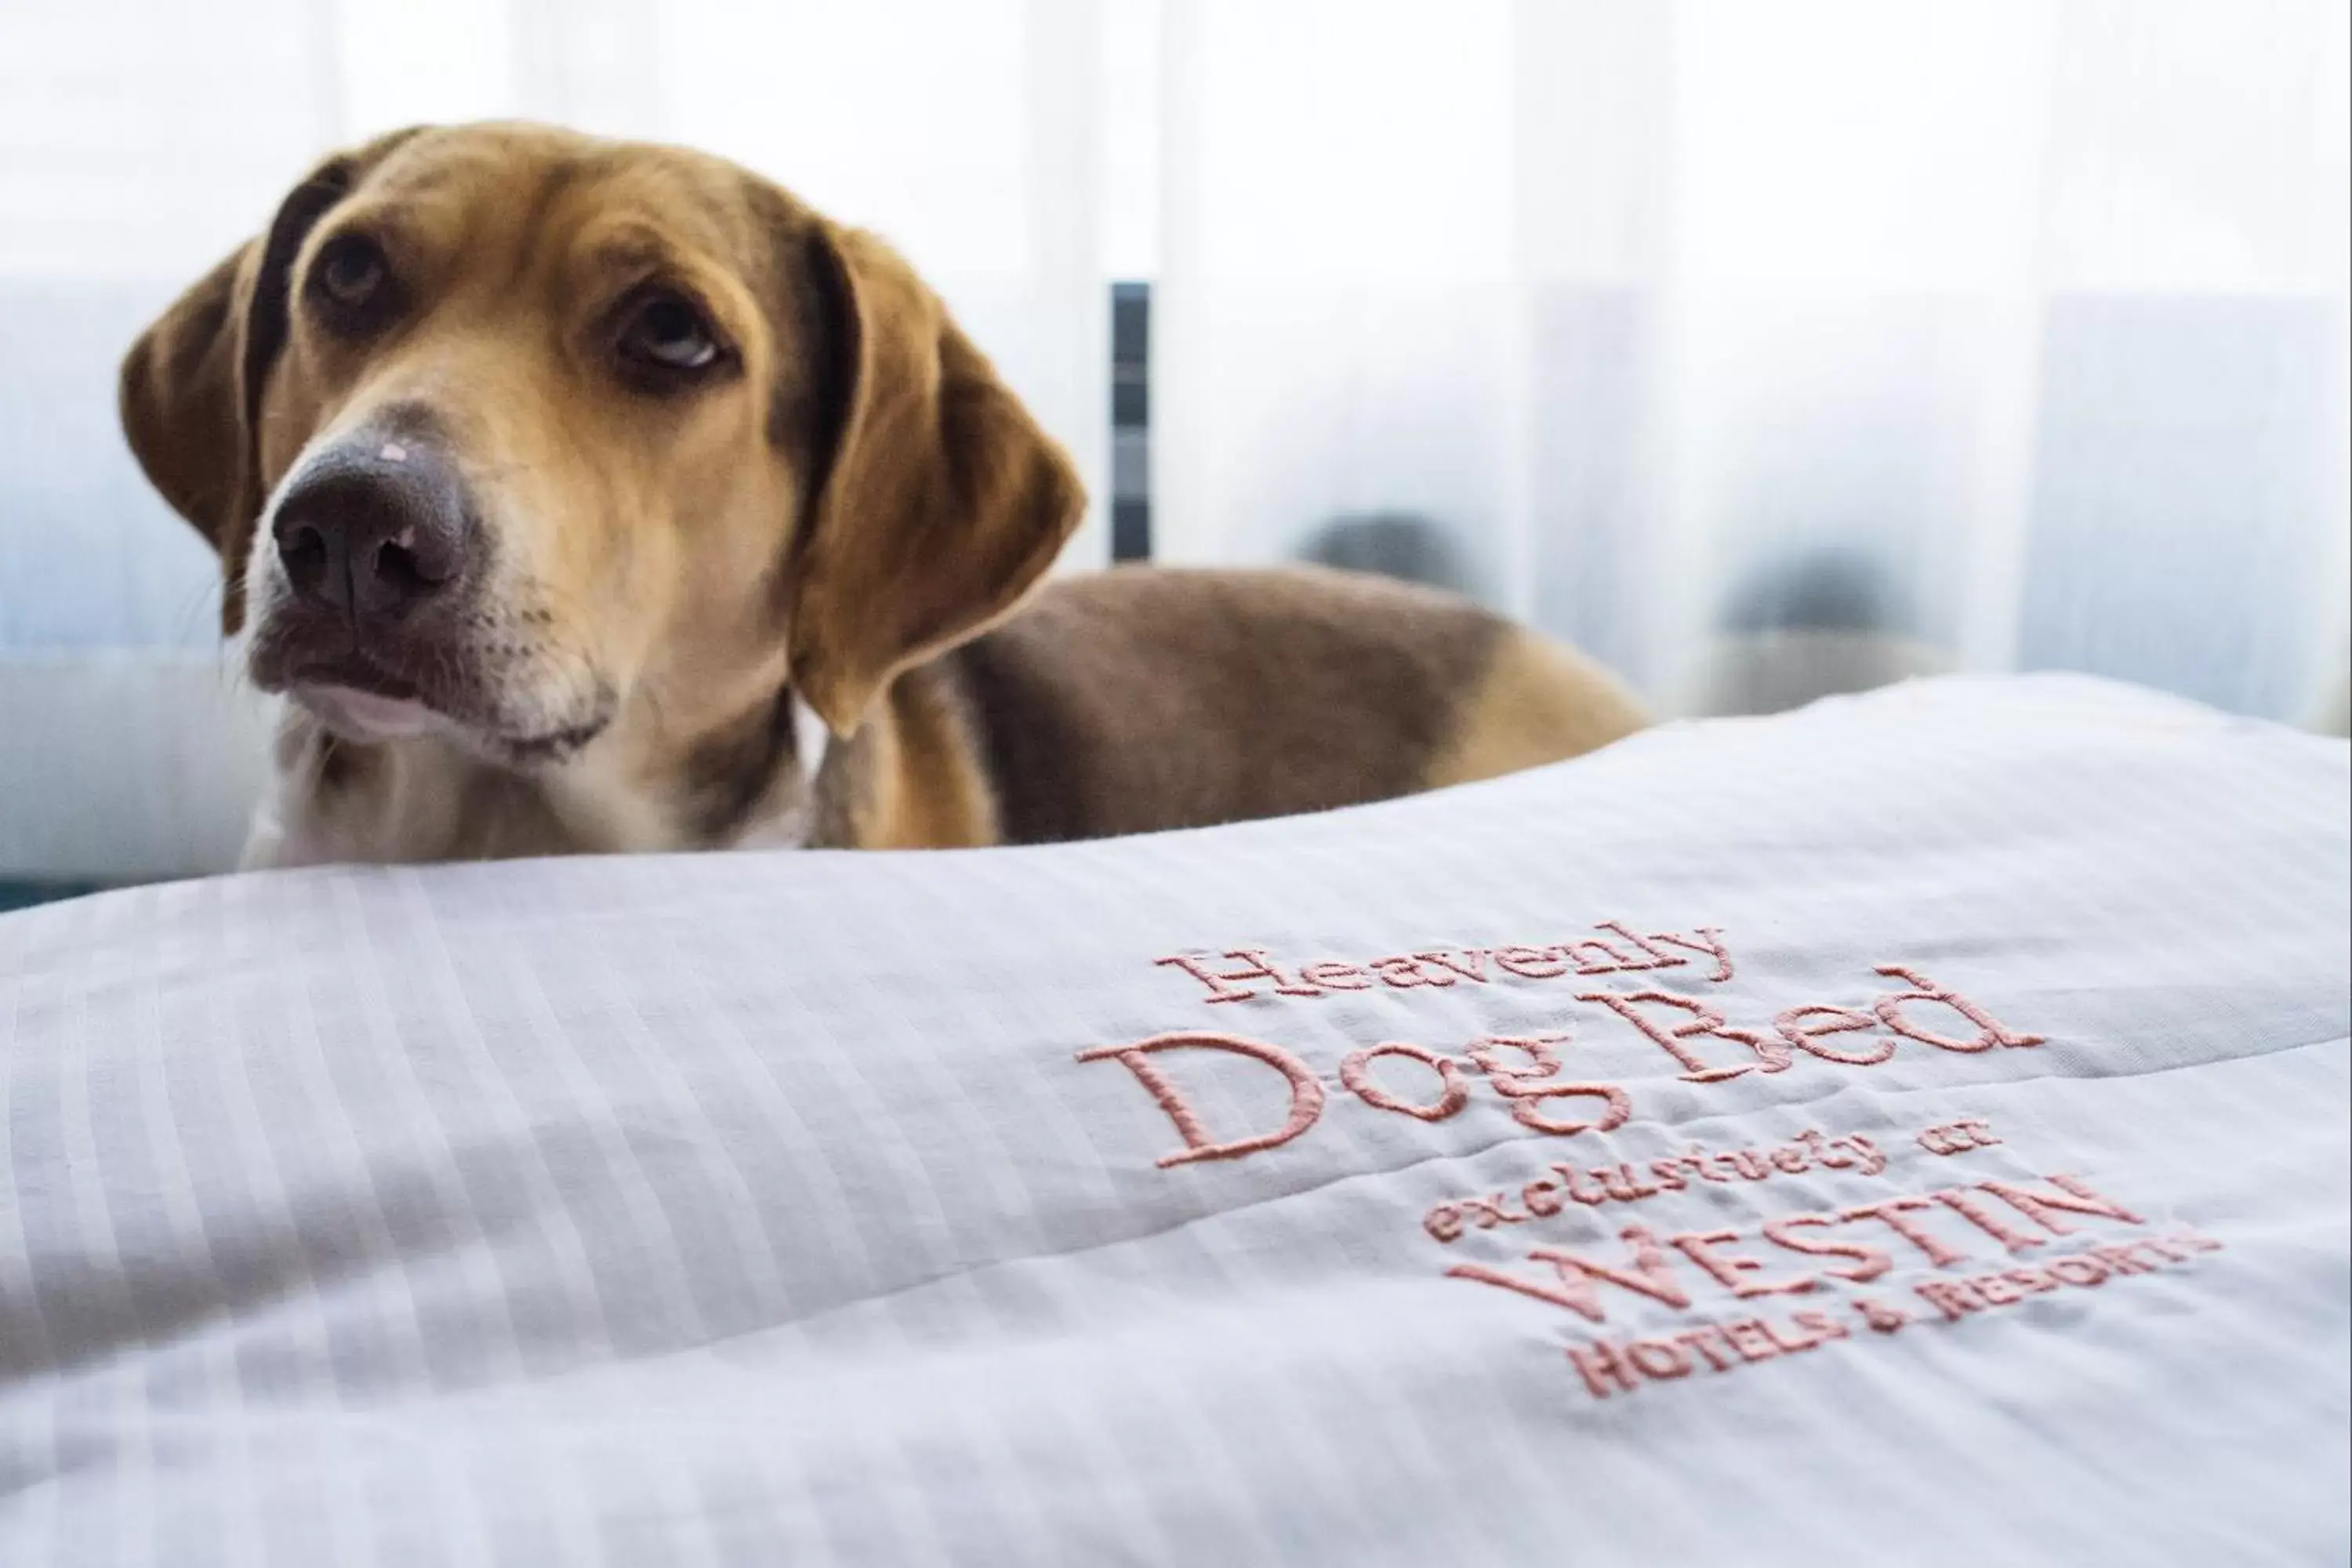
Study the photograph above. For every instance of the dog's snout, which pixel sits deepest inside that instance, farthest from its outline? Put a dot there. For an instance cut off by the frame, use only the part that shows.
(374, 529)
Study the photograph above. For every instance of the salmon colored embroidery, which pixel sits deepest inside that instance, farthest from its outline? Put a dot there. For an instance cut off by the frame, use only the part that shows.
(1772, 1056)
(1447, 964)
(1530, 963)
(1957, 1137)
(1474, 966)
(2121, 1258)
(1658, 956)
(1748, 1164)
(1953, 1298)
(1626, 1182)
(1611, 961)
(1873, 1262)
(1825, 1151)
(1650, 1276)
(1660, 1359)
(1960, 1203)
(2072, 1197)
(1355, 1071)
(1669, 1174)
(1609, 1368)
(1733, 1270)
(1711, 944)
(1220, 986)
(1405, 974)
(1881, 1318)
(1537, 1048)
(1486, 1213)
(1804, 1036)
(1336, 976)
(1958, 1297)
(1599, 1366)
(1528, 1087)
(1704, 1340)
(1574, 1179)
(1822, 1326)
(2078, 1270)
(1579, 1300)
(1527, 1102)
(1540, 1198)
(1996, 1290)
(1989, 1033)
(1621, 1184)
(1892, 1212)
(1305, 1092)
(1696, 1161)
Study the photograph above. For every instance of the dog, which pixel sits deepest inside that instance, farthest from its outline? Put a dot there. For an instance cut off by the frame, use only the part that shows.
(586, 496)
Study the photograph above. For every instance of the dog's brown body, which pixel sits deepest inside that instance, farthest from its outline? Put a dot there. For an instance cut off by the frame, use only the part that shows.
(597, 497)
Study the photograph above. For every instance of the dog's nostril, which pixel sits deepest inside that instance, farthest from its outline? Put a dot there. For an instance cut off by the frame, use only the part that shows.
(304, 551)
(398, 568)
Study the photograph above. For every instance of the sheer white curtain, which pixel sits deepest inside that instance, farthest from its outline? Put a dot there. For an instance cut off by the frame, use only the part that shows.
(1764, 347)
(139, 140)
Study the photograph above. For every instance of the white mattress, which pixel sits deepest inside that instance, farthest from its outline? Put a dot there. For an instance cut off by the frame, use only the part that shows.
(785, 1208)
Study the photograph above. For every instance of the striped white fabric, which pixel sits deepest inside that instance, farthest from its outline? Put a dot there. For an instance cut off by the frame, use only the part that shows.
(791, 1208)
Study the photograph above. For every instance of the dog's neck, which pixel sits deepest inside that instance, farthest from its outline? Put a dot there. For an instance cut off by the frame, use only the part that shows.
(768, 776)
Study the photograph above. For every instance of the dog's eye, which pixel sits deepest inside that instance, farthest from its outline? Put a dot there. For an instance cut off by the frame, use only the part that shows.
(668, 333)
(351, 270)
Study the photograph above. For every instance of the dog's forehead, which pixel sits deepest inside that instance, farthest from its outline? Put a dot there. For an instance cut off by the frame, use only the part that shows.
(554, 185)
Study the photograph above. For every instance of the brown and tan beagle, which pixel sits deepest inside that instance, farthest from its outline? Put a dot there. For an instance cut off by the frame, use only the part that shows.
(586, 496)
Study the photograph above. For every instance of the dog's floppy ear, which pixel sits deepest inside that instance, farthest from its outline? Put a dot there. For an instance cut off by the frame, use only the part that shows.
(942, 502)
(190, 392)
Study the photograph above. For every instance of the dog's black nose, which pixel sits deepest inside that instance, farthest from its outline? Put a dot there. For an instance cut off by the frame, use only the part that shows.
(373, 529)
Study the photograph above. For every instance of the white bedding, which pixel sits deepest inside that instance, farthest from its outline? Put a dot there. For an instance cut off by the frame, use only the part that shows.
(784, 1208)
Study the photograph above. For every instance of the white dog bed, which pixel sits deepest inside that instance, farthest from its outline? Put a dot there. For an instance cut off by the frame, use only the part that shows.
(1910, 1131)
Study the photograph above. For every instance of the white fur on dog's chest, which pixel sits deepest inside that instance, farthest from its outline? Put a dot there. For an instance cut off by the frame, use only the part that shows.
(423, 799)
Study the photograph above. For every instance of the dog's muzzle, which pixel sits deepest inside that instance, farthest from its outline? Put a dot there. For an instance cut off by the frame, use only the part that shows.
(381, 550)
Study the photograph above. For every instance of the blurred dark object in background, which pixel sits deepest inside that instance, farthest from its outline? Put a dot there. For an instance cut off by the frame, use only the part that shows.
(22, 895)
(1130, 422)
(1812, 625)
(1394, 544)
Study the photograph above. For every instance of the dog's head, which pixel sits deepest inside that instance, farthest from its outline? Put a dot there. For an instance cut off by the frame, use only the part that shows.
(517, 435)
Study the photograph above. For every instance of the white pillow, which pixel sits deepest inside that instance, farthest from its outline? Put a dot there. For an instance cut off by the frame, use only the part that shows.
(894, 1208)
